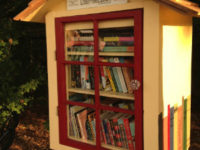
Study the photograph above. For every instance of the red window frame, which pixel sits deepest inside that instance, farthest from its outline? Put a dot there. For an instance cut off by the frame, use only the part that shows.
(137, 65)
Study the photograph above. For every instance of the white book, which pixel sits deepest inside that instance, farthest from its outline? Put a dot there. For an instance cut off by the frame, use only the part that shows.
(82, 71)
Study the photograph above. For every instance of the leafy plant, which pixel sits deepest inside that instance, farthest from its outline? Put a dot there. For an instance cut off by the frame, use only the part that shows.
(15, 90)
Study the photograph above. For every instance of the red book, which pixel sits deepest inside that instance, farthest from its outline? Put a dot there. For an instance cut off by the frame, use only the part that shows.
(103, 133)
(128, 134)
(110, 132)
(117, 133)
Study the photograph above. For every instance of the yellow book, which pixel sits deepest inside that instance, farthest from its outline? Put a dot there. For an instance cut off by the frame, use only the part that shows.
(110, 79)
(176, 127)
(111, 39)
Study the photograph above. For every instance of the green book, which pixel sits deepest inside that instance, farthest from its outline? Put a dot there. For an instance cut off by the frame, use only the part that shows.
(118, 49)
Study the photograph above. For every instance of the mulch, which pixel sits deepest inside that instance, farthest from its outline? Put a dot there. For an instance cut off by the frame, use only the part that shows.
(31, 133)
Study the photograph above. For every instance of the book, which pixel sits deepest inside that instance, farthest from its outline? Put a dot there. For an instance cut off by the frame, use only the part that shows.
(129, 38)
(121, 76)
(91, 76)
(118, 49)
(110, 131)
(128, 133)
(116, 77)
(82, 71)
(82, 48)
(91, 119)
(110, 79)
(118, 43)
(82, 117)
(127, 75)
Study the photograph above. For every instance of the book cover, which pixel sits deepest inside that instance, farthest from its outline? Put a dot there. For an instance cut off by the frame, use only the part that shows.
(121, 76)
(91, 117)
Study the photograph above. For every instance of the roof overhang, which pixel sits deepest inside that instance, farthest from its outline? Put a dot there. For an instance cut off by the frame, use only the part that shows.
(37, 9)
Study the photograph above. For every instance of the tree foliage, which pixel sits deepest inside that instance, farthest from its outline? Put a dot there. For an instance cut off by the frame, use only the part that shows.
(22, 60)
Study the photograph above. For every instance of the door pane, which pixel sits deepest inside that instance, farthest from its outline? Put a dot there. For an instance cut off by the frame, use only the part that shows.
(117, 130)
(116, 39)
(81, 124)
(79, 41)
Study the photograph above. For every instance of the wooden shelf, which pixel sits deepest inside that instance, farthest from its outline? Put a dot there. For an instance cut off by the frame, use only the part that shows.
(80, 53)
(81, 91)
(110, 94)
(83, 141)
(113, 147)
(102, 53)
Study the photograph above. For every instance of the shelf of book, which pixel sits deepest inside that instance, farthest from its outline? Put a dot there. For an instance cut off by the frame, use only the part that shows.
(121, 54)
(125, 96)
(101, 60)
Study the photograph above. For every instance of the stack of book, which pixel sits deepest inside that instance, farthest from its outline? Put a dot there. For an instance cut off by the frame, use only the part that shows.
(80, 40)
(117, 44)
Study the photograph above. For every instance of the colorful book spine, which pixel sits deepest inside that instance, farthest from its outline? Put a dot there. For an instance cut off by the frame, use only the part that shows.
(82, 70)
(83, 43)
(128, 134)
(117, 133)
(110, 79)
(113, 78)
(121, 76)
(110, 132)
(127, 76)
(82, 117)
(103, 132)
(129, 38)
(118, 49)
(114, 69)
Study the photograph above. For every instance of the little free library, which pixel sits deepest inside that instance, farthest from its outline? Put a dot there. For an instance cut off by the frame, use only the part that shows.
(119, 72)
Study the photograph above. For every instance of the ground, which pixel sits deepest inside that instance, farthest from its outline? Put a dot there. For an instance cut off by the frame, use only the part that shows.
(32, 133)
